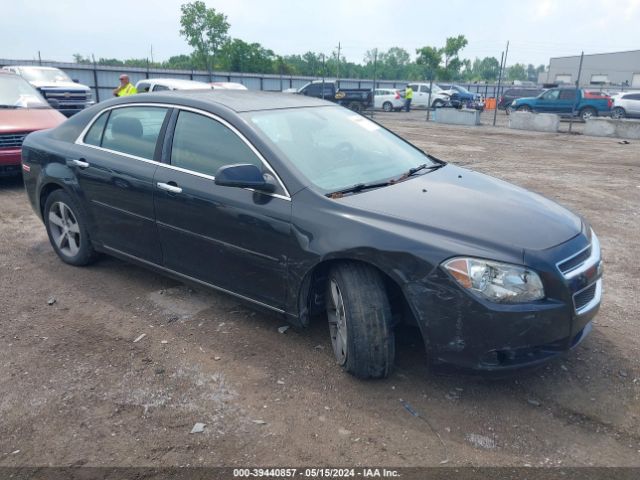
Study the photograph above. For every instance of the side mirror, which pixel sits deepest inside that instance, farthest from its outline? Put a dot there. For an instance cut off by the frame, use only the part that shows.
(244, 175)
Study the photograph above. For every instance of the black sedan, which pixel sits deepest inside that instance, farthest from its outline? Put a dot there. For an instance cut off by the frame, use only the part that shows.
(305, 208)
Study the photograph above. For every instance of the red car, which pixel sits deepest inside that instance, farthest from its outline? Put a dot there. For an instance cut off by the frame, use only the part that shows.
(22, 111)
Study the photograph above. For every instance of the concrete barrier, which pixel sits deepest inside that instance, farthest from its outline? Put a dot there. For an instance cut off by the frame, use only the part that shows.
(456, 117)
(537, 122)
(608, 127)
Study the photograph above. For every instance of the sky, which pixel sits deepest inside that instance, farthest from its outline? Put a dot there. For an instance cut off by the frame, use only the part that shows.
(536, 29)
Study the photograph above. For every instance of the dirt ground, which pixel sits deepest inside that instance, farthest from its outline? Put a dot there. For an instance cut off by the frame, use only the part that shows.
(75, 389)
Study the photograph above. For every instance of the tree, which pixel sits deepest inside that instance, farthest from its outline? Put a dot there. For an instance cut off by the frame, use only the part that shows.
(240, 56)
(486, 69)
(452, 48)
(205, 30)
(517, 72)
(430, 59)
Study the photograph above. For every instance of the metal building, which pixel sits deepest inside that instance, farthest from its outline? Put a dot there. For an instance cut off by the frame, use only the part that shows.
(617, 68)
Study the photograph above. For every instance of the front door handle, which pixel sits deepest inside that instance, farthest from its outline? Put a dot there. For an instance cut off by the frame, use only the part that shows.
(80, 163)
(169, 188)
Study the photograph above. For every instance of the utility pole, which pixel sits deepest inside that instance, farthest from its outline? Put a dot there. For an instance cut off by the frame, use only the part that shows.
(573, 109)
(152, 53)
(495, 112)
(95, 78)
(338, 67)
(323, 76)
(39, 58)
(375, 66)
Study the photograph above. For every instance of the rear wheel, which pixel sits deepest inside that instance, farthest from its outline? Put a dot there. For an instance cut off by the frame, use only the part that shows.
(587, 113)
(355, 106)
(67, 229)
(387, 106)
(618, 113)
(360, 321)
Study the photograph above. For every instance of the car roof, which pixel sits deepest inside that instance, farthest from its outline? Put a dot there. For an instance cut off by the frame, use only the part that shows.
(34, 66)
(175, 82)
(236, 100)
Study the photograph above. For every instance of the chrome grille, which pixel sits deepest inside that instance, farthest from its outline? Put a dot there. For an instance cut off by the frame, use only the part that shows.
(71, 96)
(11, 140)
(584, 296)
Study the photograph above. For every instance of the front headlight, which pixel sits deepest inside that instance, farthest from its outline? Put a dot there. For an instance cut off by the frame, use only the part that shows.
(495, 281)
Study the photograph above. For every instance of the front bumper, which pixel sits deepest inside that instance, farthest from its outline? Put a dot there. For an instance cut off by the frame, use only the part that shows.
(10, 161)
(469, 333)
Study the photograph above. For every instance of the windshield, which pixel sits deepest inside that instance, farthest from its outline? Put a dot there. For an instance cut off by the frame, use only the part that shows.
(53, 75)
(462, 89)
(17, 93)
(335, 148)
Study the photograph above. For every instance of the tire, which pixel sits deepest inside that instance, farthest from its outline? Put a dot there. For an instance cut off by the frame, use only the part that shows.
(587, 113)
(360, 320)
(618, 113)
(67, 229)
(387, 107)
(524, 108)
(355, 106)
(437, 104)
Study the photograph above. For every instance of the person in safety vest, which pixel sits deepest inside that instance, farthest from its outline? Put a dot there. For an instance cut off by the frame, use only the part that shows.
(125, 88)
(408, 96)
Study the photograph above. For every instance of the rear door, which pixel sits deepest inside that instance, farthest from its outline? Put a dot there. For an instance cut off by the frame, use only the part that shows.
(115, 163)
(632, 104)
(231, 238)
(567, 101)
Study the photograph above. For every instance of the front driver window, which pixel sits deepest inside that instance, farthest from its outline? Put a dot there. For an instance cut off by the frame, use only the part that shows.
(551, 95)
(203, 145)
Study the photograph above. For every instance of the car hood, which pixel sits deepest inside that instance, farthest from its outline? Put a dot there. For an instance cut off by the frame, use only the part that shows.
(525, 99)
(60, 85)
(29, 119)
(466, 204)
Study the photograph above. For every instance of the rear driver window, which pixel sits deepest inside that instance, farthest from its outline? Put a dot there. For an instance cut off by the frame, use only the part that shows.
(203, 145)
(94, 135)
(134, 130)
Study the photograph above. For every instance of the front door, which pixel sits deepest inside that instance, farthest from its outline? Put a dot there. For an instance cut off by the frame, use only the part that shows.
(115, 166)
(232, 238)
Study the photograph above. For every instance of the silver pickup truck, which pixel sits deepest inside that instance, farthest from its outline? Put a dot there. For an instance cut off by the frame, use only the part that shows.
(62, 93)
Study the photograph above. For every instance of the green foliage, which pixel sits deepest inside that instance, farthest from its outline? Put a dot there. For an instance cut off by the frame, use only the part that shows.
(517, 71)
(205, 30)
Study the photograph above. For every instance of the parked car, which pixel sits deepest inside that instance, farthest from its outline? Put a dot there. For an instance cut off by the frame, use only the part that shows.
(388, 99)
(302, 208)
(65, 95)
(227, 86)
(461, 97)
(22, 111)
(356, 99)
(511, 94)
(564, 101)
(626, 105)
(161, 84)
(439, 98)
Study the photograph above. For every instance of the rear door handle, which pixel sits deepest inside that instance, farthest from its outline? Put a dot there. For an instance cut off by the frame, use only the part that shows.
(80, 163)
(169, 188)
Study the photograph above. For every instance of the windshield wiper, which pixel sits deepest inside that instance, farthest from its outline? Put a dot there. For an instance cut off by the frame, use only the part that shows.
(356, 188)
(12, 107)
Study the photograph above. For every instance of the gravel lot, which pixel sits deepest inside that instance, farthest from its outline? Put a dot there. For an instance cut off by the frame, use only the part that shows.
(77, 390)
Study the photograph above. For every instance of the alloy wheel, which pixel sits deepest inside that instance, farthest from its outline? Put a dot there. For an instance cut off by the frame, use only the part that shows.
(337, 322)
(65, 229)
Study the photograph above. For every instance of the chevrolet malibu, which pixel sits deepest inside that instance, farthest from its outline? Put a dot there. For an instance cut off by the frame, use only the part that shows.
(306, 209)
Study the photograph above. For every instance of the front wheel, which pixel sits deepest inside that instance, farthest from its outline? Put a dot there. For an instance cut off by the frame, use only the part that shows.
(360, 321)
(438, 104)
(524, 108)
(67, 229)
